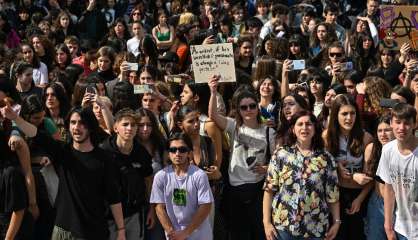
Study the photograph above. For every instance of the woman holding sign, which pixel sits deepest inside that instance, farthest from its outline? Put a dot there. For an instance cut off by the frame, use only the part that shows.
(249, 156)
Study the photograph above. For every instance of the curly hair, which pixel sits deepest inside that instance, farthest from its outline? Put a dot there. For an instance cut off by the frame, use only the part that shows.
(376, 89)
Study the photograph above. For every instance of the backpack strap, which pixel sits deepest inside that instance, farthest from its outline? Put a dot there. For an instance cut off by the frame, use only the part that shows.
(268, 154)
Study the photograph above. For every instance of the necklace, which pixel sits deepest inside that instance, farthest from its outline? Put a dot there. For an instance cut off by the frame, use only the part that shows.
(305, 153)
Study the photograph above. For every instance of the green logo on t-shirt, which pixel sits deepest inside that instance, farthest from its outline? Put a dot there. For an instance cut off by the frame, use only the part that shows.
(179, 197)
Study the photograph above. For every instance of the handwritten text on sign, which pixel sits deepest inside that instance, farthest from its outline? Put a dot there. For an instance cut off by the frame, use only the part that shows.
(213, 59)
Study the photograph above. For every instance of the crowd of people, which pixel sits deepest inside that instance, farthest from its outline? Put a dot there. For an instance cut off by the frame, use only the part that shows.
(105, 134)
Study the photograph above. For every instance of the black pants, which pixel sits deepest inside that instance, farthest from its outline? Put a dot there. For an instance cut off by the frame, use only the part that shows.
(352, 227)
(45, 222)
(244, 211)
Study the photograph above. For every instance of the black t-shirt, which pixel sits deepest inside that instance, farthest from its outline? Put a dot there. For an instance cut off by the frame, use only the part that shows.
(13, 198)
(88, 183)
(133, 169)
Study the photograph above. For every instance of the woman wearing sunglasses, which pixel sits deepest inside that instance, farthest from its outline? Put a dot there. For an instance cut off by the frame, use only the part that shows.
(182, 194)
(252, 145)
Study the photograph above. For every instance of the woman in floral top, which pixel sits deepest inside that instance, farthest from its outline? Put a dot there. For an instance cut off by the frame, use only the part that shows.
(301, 186)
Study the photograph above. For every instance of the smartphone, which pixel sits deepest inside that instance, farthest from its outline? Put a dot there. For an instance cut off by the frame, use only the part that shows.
(298, 64)
(133, 66)
(266, 113)
(91, 88)
(347, 66)
(388, 103)
(174, 78)
(304, 84)
(141, 89)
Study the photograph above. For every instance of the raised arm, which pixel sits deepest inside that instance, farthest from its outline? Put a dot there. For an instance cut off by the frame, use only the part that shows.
(107, 114)
(284, 87)
(213, 113)
(27, 128)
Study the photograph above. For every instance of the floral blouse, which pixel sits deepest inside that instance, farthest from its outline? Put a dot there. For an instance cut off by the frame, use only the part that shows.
(302, 188)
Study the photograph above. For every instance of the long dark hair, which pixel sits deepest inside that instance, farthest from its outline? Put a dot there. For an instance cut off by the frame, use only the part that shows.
(284, 123)
(61, 97)
(316, 143)
(63, 47)
(201, 90)
(35, 59)
(276, 94)
(377, 147)
(149, 48)
(355, 138)
(362, 59)
(157, 139)
(180, 116)
(123, 96)
(89, 121)
(31, 105)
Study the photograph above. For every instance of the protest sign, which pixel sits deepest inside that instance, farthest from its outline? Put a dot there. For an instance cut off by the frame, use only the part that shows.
(398, 24)
(213, 59)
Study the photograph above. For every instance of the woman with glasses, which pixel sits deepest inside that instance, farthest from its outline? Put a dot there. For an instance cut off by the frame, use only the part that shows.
(252, 144)
(301, 189)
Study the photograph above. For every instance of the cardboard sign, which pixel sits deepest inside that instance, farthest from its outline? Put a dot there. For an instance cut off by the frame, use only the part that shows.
(213, 59)
(398, 24)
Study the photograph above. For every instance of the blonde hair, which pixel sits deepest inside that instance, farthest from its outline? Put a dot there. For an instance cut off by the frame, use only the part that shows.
(186, 18)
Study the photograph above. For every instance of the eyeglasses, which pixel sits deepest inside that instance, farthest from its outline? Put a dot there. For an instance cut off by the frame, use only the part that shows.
(339, 54)
(135, 13)
(250, 106)
(180, 149)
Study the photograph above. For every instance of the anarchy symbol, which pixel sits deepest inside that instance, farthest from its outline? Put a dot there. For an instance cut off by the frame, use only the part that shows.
(403, 24)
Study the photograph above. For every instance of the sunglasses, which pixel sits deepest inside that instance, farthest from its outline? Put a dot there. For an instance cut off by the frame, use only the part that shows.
(336, 54)
(135, 13)
(180, 149)
(250, 106)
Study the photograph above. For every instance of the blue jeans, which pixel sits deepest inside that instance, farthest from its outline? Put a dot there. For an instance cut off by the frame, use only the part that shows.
(375, 220)
(401, 237)
(284, 235)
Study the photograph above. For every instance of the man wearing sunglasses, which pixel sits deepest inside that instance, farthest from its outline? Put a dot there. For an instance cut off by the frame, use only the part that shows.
(338, 63)
(182, 194)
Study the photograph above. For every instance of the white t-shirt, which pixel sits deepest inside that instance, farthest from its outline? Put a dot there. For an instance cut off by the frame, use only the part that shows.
(182, 197)
(248, 147)
(132, 46)
(401, 172)
(40, 75)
